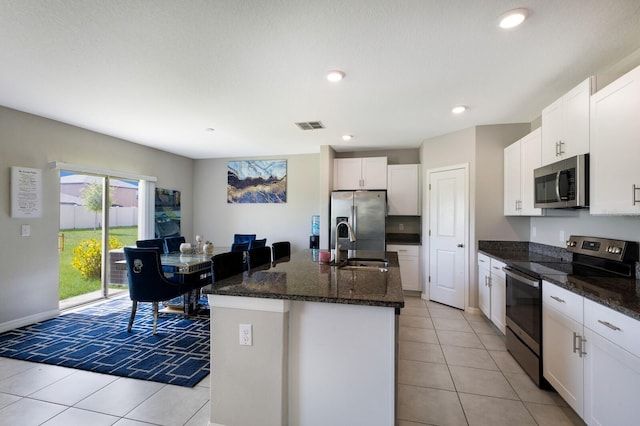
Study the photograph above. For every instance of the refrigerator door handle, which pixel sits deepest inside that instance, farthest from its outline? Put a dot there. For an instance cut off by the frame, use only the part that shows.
(354, 222)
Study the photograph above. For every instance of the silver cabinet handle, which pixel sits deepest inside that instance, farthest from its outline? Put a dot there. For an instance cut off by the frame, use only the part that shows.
(578, 344)
(636, 188)
(560, 151)
(611, 326)
(557, 299)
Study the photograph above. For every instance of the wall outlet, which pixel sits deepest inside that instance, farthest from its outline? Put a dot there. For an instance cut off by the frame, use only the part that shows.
(401, 226)
(25, 230)
(246, 335)
(534, 231)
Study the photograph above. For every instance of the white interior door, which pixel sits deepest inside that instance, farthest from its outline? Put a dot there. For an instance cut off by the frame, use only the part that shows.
(448, 226)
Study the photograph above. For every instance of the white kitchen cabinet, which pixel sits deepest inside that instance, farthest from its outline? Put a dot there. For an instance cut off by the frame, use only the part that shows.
(520, 159)
(403, 189)
(565, 124)
(492, 290)
(562, 334)
(615, 150)
(498, 295)
(484, 289)
(612, 367)
(409, 260)
(360, 173)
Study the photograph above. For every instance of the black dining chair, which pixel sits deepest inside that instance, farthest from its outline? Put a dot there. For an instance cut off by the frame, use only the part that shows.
(257, 243)
(227, 264)
(147, 282)
(154, 242)
(172, 244)
(258, 256)
(281, 249)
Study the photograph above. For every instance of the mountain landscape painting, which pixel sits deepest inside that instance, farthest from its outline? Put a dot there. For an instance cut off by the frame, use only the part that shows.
(259, 181)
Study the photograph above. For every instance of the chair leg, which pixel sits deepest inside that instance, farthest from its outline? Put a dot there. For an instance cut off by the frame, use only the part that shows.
(155, 316)
(134, 307)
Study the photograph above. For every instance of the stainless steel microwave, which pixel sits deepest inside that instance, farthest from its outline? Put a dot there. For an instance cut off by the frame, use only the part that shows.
(564, 184)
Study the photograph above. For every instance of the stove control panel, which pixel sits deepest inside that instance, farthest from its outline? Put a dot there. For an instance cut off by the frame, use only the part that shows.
(617, 250)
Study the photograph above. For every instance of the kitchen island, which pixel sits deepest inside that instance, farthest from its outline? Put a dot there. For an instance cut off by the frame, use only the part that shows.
(322, 343)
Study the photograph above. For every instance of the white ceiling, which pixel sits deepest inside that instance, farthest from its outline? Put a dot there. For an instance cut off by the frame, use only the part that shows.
(159, 73)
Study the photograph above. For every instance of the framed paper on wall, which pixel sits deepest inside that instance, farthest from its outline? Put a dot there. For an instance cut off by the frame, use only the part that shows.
(26, 192)
(257, 181)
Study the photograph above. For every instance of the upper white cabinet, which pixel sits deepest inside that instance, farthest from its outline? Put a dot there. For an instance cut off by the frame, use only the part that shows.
(520, 159)
(360, 173)
(615, 148)
(403, 189)
(565, 124)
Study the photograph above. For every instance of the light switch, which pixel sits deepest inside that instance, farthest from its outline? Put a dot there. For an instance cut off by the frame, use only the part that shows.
(25, 231)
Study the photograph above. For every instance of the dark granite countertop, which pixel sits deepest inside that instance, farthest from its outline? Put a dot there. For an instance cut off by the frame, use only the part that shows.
(618, 293)
(303, 278)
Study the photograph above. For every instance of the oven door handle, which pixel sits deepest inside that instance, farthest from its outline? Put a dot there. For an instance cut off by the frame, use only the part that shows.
(520, 278)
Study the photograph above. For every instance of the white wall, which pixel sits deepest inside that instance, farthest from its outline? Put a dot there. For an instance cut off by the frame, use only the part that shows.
(217, 221)
(554, 231)
(29, 265)
(482, 148)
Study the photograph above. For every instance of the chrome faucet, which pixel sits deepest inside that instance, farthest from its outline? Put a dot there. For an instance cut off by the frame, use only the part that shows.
(352, 238)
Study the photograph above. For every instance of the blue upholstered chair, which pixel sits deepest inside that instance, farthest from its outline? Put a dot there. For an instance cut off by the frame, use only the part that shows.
(257, 243)
(258, 257)
(147, 282)
(281, 249)
(243, 238)
(225, 265)
(239, 246)
(172, 244)
(154, 242)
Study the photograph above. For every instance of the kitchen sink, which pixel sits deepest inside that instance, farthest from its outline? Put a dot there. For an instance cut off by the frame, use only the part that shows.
(366, 264)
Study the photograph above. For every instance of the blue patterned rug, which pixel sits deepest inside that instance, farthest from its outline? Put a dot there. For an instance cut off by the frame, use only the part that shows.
(96, 339)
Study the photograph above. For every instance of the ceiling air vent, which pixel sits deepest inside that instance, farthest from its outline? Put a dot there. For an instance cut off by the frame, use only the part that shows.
(310, 125)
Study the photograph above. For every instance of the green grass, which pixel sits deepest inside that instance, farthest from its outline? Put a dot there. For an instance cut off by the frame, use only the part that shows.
(71, 282)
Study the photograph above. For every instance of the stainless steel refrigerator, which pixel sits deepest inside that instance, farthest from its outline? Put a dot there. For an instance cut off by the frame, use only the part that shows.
(365, 211)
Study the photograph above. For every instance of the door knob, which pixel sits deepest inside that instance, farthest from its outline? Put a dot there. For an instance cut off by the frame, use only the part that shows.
(460, 245)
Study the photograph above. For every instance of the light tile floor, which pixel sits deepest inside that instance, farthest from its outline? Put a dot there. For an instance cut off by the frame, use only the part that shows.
(453, 370)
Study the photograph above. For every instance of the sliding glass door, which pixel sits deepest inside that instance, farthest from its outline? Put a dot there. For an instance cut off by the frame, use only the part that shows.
(98, 216)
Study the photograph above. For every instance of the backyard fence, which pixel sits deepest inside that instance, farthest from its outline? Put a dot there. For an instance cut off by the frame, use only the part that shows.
(77, 217)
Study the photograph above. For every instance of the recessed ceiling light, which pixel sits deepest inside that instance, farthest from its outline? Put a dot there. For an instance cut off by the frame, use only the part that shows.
(513, 18)
(335, 76)
(458, 109)
(347, 137)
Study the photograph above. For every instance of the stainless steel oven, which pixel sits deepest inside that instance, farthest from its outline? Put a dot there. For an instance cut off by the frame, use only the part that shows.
(524, 322)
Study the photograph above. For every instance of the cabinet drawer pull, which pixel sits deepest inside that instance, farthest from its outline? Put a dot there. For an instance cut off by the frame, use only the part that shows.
(611, 326)
(575, 346)
(636, 188)
(557, 299)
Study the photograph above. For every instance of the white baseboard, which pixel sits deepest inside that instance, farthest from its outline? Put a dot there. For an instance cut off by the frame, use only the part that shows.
(472, 310)
(32, 319)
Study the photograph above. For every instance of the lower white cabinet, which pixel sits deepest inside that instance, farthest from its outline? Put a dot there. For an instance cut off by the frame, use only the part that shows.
(492, 290)
(611, 367)
(591, 356)
(484, 287)
(409, 259)
(562, 358)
